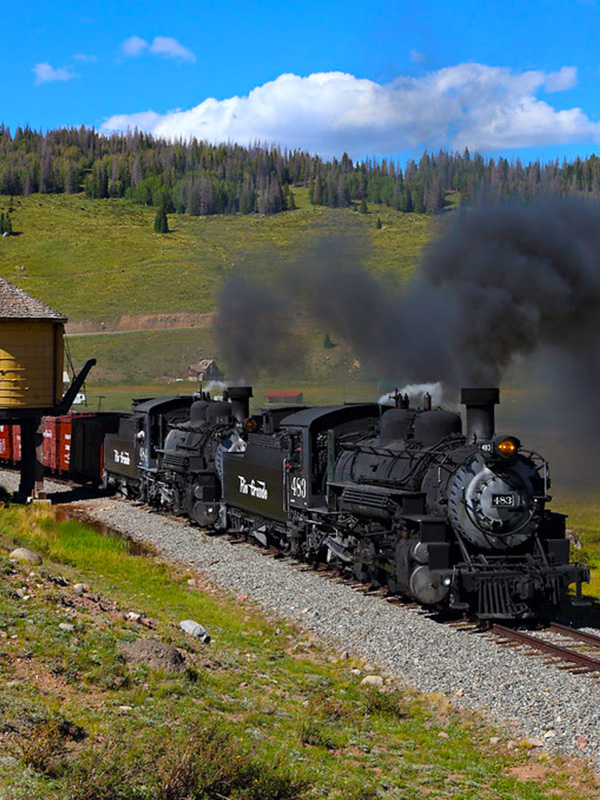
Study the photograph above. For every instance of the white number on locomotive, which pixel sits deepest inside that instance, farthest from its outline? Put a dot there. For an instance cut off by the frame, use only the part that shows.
(298, 487)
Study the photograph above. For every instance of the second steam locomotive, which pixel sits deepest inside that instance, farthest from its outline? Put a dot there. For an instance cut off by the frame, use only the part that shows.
(399, 497)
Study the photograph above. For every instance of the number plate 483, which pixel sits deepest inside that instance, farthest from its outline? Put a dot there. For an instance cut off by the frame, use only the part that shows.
(298, 487)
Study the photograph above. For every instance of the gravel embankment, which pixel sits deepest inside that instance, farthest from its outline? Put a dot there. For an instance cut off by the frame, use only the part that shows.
(537, 701)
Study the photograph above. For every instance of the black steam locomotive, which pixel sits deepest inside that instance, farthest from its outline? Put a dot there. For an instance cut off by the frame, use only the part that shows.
(399, 497)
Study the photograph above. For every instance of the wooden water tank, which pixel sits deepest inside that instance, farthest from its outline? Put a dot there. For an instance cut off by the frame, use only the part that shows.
(31, 351)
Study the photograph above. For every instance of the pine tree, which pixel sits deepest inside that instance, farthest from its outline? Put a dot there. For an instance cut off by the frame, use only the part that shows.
(363, 207)
(161, 223)
(378, 224)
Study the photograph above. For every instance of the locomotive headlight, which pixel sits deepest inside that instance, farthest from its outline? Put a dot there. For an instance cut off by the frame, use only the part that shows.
(508, 446)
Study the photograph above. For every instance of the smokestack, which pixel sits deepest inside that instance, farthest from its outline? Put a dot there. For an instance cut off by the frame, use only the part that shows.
(480, 412)
(239, 397)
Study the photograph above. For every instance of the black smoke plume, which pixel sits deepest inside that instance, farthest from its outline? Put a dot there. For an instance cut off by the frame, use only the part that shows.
(499, 283)
(518, 278)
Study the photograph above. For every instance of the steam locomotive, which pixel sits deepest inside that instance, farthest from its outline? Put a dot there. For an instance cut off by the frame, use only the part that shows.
(399, 496)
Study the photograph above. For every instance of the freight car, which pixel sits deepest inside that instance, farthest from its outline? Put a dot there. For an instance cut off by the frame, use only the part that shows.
(73, 445)
(399, 497)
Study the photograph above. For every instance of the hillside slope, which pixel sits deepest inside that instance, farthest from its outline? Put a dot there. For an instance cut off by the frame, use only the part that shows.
(101, 263)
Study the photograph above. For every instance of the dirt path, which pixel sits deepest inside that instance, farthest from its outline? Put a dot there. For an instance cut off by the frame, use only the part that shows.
(140, 322)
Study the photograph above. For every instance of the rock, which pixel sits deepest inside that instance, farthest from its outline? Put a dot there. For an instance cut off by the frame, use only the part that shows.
(66, 626)
(443, 735)
(196, 630)
(495, 740)
(346, 655)
(573, 537)
(132, 616)
(126, 709)
(81, 588)
(58, 580)
(533, 742)
(23, 554)
(154, 654)
(372, 680)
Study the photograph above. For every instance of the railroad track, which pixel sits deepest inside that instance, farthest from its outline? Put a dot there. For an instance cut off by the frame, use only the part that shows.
(582, 656)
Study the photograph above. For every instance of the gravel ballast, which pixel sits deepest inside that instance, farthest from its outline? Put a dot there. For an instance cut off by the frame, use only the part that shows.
(549, 706)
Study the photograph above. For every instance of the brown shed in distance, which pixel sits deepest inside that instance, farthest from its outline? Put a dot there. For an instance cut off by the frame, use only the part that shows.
(205, 370)
(31, 351)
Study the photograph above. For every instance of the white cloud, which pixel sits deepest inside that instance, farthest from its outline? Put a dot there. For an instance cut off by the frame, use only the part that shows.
(170, 48)
(134, 46)
(565, 78)
(85, 58)
(45, 73)
(467, 105)
(417, 57)
(163, 46)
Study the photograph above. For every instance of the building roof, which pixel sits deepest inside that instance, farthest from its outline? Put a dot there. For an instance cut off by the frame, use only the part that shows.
(203, 364)
(17, 304)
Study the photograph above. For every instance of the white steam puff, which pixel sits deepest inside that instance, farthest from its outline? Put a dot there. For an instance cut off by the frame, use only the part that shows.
(416, 393)
(214, 387)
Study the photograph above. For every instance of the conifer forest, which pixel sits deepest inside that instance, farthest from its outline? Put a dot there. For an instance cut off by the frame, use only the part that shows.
(197, 178)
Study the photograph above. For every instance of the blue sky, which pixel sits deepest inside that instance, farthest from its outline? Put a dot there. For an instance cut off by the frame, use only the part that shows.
(370, 78)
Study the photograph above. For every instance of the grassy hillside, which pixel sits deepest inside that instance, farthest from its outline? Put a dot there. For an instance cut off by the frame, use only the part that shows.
(99, 259)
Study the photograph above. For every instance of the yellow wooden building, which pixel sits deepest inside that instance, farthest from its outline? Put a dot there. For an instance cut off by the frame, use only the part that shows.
(31, 351)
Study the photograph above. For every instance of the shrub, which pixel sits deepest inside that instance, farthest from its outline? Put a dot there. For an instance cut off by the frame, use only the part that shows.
(44, 746)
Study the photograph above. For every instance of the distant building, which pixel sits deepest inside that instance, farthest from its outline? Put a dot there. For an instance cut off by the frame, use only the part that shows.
(205, 370)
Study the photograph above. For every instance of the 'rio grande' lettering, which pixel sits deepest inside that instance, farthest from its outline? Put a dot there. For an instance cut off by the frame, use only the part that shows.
(256, 489)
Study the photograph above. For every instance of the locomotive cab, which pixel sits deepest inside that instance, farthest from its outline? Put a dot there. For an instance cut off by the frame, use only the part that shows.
(314, 434)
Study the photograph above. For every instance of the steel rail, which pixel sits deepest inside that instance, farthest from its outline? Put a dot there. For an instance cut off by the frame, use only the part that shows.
(563, 653)
(588, 638)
